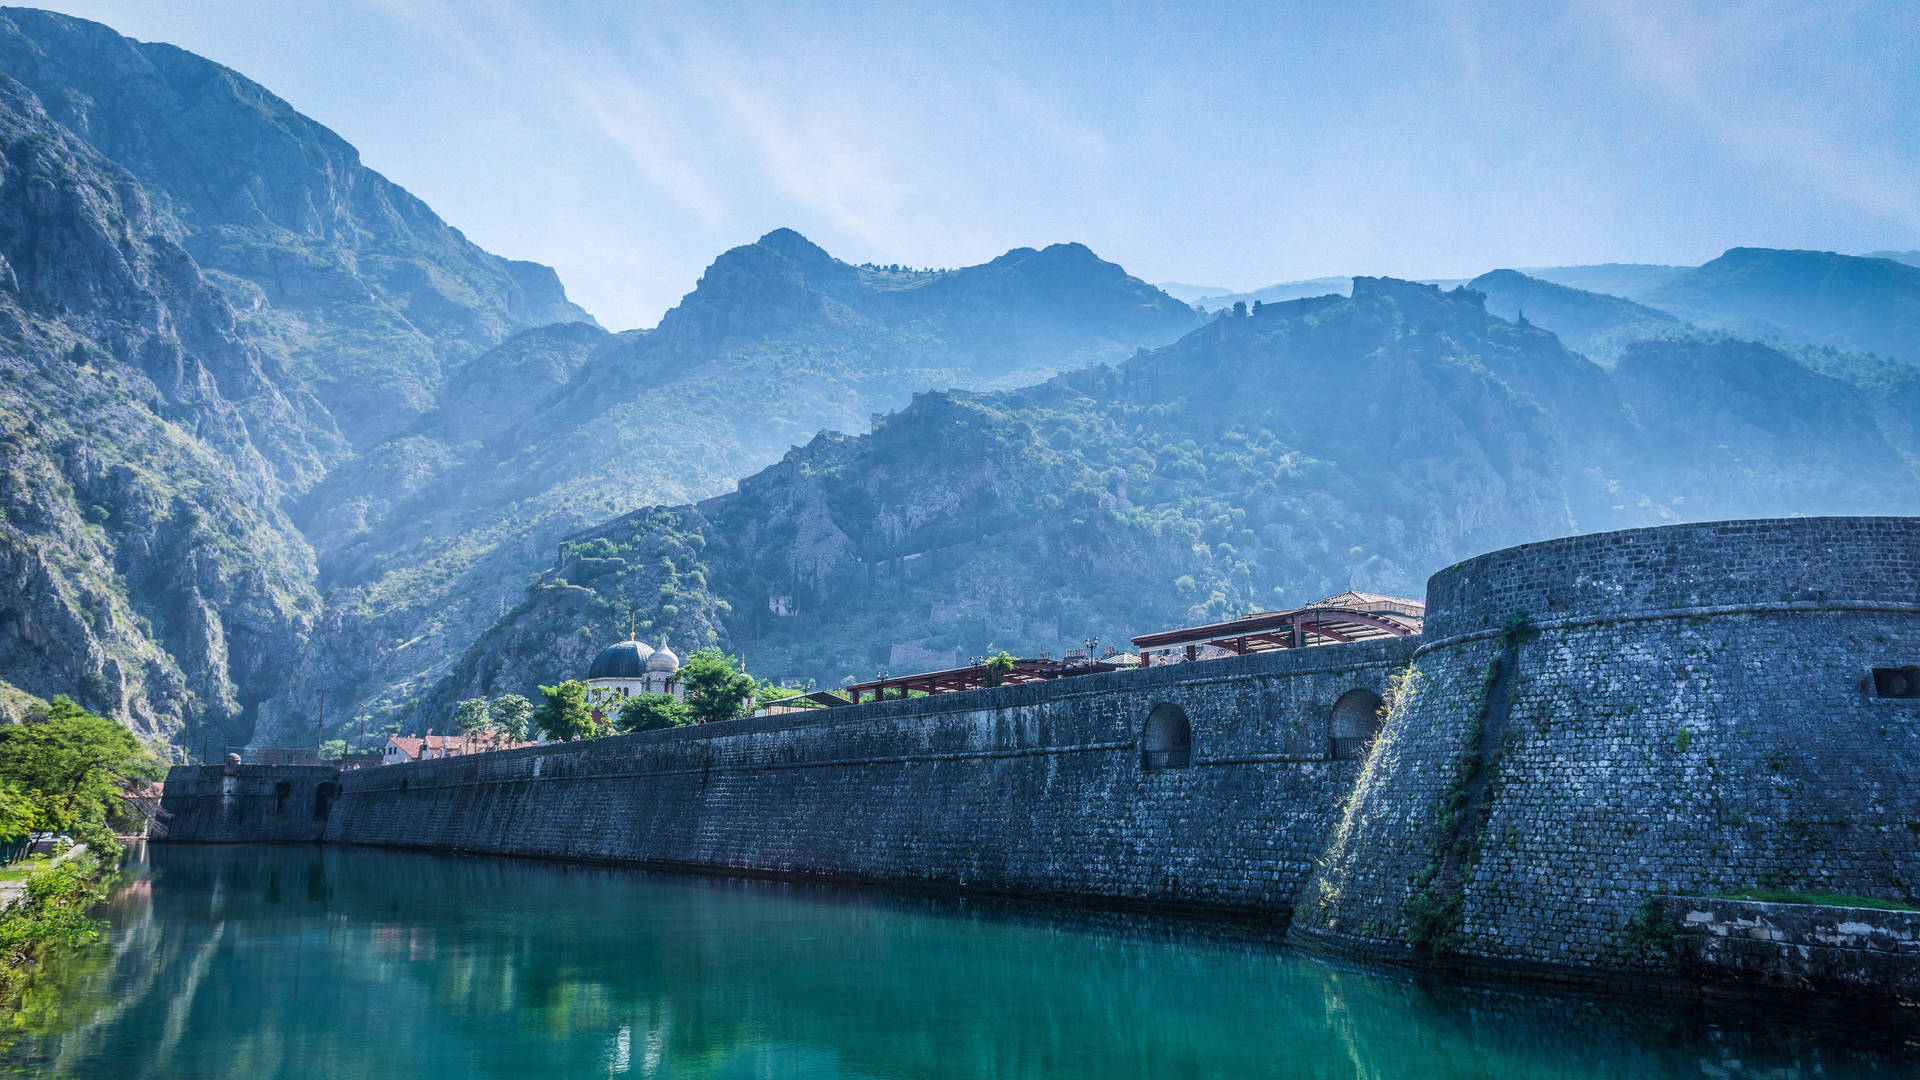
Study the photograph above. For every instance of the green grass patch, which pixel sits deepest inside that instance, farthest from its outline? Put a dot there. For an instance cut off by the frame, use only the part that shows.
(1824, 899)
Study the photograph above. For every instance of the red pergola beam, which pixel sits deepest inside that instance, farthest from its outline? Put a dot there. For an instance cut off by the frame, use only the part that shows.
(1247, 635)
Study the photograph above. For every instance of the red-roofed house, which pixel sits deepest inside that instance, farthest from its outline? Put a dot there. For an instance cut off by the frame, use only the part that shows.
(402, 748)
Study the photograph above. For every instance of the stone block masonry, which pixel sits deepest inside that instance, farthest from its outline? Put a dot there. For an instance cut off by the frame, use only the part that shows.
(1812, 948)
(1039, 789)
(275, 804)
(1691, 709)
(1589, 723)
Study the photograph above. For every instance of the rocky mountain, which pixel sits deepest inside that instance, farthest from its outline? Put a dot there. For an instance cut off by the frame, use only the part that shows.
(1630, 280)
(365, 294)
(392, 425)
(209, 299)
(147, 444)
(269, 427)
(1821, 298)
(1260, 461)
(1596, 325)
(425, 539)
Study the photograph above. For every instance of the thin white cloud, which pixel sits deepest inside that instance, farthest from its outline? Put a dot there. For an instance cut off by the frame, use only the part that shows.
(1703, 66)
(652, 138)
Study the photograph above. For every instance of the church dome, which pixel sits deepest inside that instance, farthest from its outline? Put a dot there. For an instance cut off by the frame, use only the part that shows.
(627, 660)
(663, 660)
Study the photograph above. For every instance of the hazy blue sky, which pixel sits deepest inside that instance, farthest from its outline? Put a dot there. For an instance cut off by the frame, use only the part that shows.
(627, 144)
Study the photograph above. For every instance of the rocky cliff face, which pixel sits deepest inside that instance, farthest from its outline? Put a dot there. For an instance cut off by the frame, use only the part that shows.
(370, 298)
(144, 559)
(211, 300)
(430, 416)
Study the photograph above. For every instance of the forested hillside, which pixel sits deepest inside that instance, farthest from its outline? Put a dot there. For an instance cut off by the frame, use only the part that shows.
(1262, 461)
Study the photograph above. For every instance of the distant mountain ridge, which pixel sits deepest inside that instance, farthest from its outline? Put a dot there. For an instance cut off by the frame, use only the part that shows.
(1260, 461)
(1599, 326)
(1632, 281)
(1187, 294)
(776, 341)
(1818, 297)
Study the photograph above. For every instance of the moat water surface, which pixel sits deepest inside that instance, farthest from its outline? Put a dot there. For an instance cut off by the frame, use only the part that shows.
(310, 962)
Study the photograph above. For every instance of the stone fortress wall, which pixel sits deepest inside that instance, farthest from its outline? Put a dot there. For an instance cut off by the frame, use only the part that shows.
(1038, 789)
(272, 804)
(1690, 709)
(1589, 723)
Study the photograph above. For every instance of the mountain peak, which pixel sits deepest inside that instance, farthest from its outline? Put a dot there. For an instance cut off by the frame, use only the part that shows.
(794, 246)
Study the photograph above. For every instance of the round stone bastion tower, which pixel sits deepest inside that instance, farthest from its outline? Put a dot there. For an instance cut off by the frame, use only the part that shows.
(1592, 722)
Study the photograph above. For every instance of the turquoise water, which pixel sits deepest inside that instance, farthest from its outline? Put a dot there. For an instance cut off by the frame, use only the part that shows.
(311, 962)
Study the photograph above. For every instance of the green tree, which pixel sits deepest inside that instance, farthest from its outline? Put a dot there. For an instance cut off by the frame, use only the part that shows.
(767, 693)
(565, 714)
(651, 712)
(333, 749)
(72, 765)
(514, 714)
(472, 716)
(716, 688)
(19, 813)
(999, 667)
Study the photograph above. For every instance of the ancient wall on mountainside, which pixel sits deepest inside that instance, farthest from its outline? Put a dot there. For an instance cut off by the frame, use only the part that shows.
(1693, 709)
(247, 803)
(1040, 789)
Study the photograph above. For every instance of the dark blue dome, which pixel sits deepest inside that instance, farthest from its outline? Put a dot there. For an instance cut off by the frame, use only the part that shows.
(627, 660)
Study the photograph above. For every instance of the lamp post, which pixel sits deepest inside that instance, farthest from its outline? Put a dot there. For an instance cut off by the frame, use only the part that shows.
(320, 722)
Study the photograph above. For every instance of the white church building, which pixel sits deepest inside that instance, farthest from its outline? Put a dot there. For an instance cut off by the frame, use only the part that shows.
(633, 667)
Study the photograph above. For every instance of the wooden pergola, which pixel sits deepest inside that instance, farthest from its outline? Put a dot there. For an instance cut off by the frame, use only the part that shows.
(1351, 616)
(954, 680)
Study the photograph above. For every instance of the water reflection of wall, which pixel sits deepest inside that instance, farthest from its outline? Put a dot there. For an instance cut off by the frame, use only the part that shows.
(284, 962)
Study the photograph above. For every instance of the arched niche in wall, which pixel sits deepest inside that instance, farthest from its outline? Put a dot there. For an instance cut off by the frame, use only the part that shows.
(1166, 739)
(323, 797)
(1354, 724)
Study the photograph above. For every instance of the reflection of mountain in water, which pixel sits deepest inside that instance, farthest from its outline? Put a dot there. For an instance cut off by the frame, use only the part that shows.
(306, 961)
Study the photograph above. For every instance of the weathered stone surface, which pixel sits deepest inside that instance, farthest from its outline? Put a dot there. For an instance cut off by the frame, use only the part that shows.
(1690, 711)
(1036, 789)
(1684, 710)
(1842, 951)
(274, 804)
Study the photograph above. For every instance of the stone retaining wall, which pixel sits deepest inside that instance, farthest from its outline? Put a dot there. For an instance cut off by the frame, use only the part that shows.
(1591, 722)
(247, 803)
(1842, 951)
(1038, 789)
